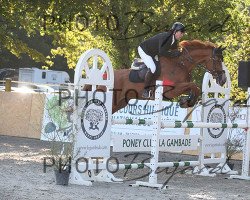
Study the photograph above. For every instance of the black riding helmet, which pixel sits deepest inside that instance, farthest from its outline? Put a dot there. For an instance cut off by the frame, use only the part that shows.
(177, 26)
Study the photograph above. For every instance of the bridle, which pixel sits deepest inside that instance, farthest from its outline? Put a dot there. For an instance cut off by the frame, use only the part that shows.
(214, 58)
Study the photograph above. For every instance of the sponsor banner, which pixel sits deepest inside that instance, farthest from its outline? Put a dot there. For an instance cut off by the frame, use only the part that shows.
(93, 122)
(94, 126)
(57, 119)
(142, 109)
(237, 115)
(130, 143)
(196, 117)
(214, 139)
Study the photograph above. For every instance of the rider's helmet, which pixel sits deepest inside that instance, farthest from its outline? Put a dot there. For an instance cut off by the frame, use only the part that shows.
(177, 26)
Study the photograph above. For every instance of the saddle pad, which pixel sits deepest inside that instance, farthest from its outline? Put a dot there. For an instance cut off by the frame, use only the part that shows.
(167, 82)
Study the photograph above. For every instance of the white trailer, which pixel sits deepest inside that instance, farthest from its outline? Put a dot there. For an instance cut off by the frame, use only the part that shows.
(35, 75)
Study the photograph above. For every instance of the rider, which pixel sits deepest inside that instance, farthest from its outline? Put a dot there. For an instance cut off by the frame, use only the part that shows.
(162, 44)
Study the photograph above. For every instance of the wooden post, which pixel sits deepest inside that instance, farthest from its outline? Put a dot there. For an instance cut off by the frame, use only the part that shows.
(8, 85)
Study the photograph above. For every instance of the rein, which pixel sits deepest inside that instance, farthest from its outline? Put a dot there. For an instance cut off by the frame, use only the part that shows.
(189, 57)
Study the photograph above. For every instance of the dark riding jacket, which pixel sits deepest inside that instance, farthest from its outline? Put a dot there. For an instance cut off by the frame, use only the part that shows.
(160, 44)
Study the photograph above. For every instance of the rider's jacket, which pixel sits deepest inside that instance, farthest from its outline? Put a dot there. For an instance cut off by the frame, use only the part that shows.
(161, 44)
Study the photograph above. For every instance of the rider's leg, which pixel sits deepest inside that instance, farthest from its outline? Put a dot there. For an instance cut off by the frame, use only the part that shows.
(158, 69)
(149, 62)
(147, 84)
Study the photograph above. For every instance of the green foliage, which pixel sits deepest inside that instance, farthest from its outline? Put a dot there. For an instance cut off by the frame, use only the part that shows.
(237, 41)
(59, 131)
(16, 16)
(118, 27)
(56, 112)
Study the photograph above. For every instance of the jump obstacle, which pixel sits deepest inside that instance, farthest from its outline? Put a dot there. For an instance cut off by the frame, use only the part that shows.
(93, 126)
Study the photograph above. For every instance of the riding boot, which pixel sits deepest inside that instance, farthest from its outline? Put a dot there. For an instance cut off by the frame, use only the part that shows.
(147, 84)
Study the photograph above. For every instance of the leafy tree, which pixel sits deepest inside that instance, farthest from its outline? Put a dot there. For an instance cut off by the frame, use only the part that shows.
(19, 16)
(237, 41)
(118, 27)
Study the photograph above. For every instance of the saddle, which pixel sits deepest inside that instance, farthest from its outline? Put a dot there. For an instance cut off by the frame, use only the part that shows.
(138, 71)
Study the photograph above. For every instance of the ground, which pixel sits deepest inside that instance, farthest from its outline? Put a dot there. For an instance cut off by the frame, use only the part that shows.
(22, 177)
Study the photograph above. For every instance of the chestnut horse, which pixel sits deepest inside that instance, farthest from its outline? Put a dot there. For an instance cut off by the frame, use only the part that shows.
(176, 71)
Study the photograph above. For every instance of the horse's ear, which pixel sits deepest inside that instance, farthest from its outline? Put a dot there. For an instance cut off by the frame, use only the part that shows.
(220, 48)
(223, 48)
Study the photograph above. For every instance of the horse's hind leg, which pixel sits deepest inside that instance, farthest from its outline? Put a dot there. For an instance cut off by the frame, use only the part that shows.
(184, 88)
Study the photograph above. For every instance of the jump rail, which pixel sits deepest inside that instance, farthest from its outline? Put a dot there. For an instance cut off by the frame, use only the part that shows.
(179, 124)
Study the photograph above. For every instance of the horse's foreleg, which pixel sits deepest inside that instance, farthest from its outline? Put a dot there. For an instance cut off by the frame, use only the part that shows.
(183, 88)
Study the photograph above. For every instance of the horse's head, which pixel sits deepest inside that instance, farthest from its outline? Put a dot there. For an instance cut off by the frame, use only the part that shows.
(198, 52)
(214, 65)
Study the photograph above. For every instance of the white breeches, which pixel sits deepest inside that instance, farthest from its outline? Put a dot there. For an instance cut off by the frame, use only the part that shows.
(148, 60)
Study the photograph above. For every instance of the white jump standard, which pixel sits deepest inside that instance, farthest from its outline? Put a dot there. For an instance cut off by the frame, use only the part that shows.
(93, 133)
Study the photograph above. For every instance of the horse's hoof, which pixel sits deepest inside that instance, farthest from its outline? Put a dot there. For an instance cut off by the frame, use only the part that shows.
(191, 103)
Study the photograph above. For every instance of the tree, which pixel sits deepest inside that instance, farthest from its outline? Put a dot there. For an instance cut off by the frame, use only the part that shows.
(118, 27)
(237, 41)
(19, 16)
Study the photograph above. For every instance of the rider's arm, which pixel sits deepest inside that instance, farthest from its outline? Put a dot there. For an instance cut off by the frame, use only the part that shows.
(166, 49)
(170, 53)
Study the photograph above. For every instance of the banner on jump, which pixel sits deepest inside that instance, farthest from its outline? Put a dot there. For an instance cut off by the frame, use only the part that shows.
(130, 143)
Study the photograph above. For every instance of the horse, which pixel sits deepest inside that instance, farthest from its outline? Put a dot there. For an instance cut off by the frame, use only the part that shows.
(176, 73)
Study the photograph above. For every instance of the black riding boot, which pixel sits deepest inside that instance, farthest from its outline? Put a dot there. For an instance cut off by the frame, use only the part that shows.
(147, 84)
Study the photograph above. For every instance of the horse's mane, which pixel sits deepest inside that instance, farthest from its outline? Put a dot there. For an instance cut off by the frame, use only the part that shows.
(196, 44)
